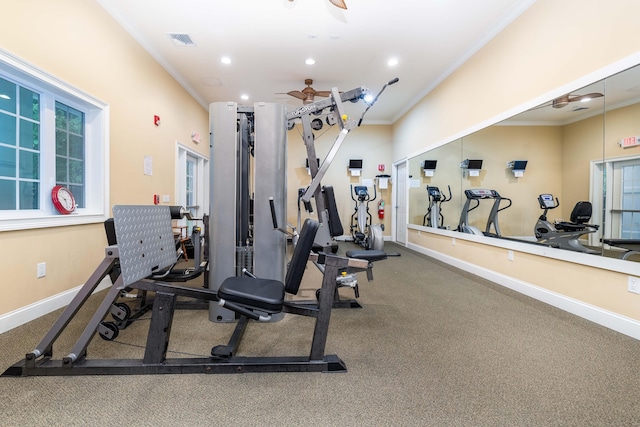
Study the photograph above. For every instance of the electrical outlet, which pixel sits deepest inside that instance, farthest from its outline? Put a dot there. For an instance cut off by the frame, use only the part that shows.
(166, 198)
(634, 284)
(510, 255)
(453, 241)
(42, 270)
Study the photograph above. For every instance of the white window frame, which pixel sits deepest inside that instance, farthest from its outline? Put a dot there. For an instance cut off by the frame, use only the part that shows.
(202, 179)
(96, 149)
(613, 195)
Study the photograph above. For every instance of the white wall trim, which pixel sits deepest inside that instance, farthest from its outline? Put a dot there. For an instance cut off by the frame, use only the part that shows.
(25, 314)
(624, 325)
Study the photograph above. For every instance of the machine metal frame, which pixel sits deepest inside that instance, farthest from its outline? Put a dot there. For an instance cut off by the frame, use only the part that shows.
(142, 248)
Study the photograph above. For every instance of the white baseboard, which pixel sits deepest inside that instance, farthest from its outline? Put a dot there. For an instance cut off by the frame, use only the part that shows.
(608, 319)
(31, 312)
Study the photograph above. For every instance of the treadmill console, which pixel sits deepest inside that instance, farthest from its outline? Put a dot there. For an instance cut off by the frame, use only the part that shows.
(481, 193)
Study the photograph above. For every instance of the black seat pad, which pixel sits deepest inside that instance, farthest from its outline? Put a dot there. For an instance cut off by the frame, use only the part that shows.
(261, 294)
(569, 226)
(370, 256)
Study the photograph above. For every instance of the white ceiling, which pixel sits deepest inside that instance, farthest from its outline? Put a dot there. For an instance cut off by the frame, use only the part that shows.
(269, 40)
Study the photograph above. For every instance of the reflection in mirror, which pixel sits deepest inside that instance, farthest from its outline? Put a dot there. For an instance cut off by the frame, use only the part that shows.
(621, 166)
(441, 175)
(559, 140)
(580, 189)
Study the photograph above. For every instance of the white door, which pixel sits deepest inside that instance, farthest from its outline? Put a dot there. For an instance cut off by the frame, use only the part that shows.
(401, 202)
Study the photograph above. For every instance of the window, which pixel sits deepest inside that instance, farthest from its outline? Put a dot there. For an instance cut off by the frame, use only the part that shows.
(630, 209)
(192, 177)
(50, 133)
(70, 150)
(19, 147)
(622, 197)
(190, 189)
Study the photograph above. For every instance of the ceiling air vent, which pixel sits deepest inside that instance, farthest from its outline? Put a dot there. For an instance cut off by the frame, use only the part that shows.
(579, 109)
(182, 40)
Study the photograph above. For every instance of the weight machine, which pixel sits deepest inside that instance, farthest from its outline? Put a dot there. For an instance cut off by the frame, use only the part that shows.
(146, 245)
(240, 224)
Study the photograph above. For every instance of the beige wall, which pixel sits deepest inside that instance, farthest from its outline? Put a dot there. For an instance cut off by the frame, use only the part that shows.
(552, 44)
(597, 287)
(78, 42)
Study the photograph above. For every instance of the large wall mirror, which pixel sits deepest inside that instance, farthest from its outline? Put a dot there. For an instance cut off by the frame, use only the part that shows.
(564, 174)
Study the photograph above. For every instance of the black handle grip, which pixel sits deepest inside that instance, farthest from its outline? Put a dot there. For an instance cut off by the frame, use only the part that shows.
(393, 81)
(272, 205)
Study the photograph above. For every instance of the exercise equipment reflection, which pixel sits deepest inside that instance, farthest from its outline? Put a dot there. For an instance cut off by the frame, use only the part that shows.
(433, 217)
(475, 195)
(564, 234)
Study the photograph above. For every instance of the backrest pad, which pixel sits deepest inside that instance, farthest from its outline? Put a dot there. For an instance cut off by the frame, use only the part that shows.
(300, 256)
(335, 225)
(581, 212)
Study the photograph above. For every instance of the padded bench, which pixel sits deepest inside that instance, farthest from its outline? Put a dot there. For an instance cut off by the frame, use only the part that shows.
(369, 255)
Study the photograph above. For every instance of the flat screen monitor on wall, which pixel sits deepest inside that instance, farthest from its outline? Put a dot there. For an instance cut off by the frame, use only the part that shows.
(429, 164)
(355, 164)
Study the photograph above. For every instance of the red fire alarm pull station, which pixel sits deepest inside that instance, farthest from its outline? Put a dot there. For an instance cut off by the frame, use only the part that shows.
(156, 120)
(381, 167)
(156, 199)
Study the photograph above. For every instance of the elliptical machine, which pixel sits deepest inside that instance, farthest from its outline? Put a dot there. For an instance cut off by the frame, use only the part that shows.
(433, 217)
(564, 234)
(363, 231)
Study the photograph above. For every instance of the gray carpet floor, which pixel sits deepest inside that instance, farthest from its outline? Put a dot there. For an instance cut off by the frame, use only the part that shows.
(432, 346)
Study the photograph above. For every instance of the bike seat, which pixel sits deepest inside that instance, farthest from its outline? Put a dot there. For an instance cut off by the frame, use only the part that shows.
(371, 256)
(570, 226)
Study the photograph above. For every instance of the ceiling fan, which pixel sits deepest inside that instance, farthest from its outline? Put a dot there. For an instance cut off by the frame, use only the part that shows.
(308, 94)
(338, 3)
(565, 100)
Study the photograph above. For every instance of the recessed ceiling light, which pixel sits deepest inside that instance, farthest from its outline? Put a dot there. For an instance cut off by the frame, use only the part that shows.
(225, 60)
(392, 62)
(310, 61)
(244, 97)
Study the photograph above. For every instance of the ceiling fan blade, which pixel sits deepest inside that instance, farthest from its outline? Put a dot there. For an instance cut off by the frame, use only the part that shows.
(339, 3)
(297, 94)
(323, 93)
(585, 97)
